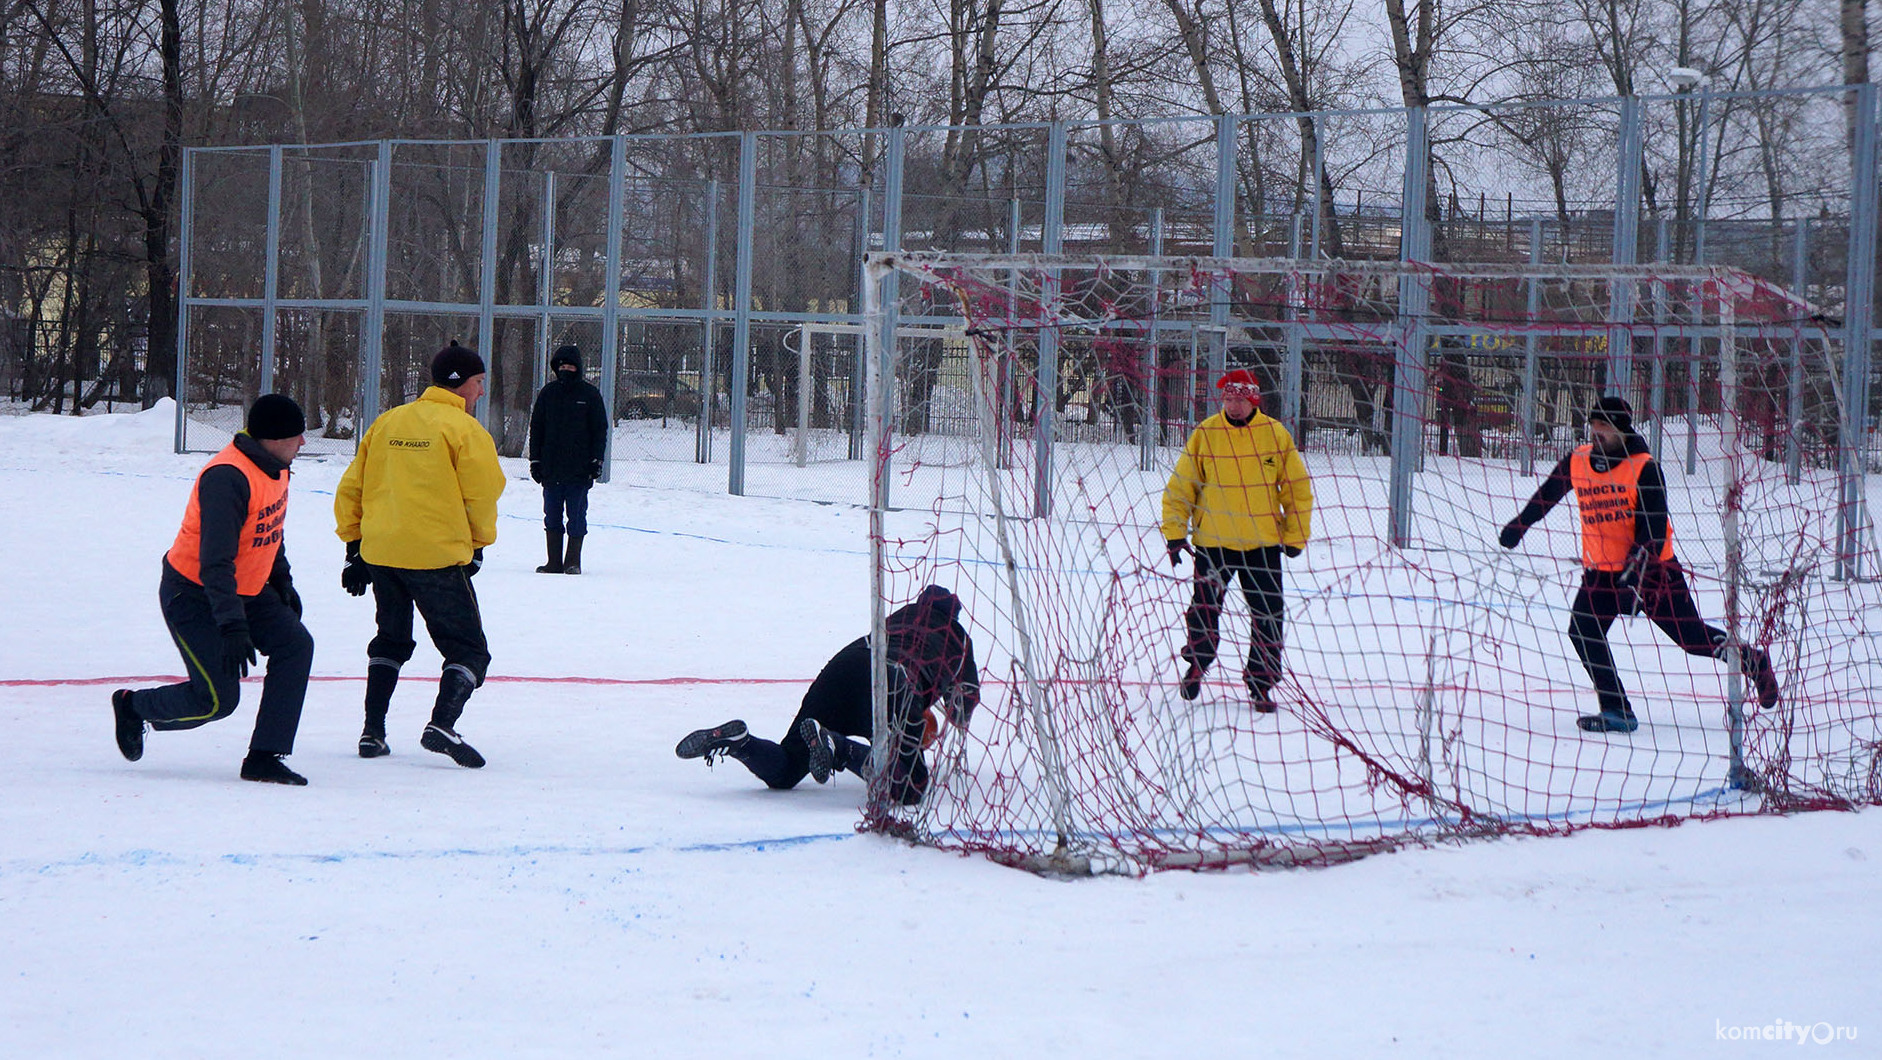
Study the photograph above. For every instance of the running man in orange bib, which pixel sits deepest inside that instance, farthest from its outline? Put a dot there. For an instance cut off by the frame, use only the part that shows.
(227, 593)
(1628, 561)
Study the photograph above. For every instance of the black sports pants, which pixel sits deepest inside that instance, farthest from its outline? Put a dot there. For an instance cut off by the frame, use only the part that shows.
(448, 603)
(839, 701)
(1259, 571)
(212, 693)
(1664, 597)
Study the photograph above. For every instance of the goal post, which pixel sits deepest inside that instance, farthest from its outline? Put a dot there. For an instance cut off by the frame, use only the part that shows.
(1430, 686)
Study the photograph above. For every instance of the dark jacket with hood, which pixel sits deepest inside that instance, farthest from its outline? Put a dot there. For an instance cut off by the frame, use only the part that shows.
(568, 429)
(927, 640)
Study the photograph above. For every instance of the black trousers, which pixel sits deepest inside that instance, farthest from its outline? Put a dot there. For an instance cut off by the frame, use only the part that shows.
(572, 497)
(839, 701)
(448, 603)
(212, 693)
(1259, 571)
(1666, 599)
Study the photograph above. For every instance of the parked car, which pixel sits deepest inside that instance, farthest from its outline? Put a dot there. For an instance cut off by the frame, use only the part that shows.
(655, 395)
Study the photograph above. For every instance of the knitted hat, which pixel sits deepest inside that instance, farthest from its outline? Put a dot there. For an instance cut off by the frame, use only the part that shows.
(569, 354)
(1240, 383)
(1614, 411)
(454, 364)
(275, 416)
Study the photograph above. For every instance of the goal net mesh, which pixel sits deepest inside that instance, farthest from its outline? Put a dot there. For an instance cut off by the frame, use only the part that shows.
(1430, 689)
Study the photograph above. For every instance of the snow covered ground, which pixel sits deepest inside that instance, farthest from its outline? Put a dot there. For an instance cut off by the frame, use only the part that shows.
(589, 894)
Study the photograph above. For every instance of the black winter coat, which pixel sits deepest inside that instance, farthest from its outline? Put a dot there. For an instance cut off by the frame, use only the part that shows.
(568, 431)
(927, 639)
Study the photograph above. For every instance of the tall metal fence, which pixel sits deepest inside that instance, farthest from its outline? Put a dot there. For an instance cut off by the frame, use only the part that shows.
(714, 280)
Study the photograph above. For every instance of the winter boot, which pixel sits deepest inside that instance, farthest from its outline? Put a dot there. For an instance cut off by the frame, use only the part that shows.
(718, 741)
(1264, 701)
(553, 538)
(382, 676)
(269, 769)
(820, 751)
(1617, 715)
(1190, 685)
(455, 686)
(130, 726)
(572, 563)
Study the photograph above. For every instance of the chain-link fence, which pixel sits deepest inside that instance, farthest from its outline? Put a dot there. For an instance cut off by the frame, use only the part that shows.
(713, 281)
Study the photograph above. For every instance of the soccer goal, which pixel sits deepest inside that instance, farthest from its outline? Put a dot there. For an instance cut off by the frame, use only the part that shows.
(1430, 687)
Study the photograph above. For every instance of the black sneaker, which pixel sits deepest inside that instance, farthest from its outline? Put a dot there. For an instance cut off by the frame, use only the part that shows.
(445, 742)
(1263, 698)
(130, 727)
(711, 743)
(269, 769)
(1608, 721)
(371, 746)
(821, 752)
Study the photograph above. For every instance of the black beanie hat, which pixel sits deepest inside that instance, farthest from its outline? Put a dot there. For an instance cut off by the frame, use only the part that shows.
(1616, 411)
(275, 416)
(569, 354)
(454, 364)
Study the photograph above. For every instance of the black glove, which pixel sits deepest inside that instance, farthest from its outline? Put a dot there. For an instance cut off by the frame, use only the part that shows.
(1292, 551)
(1177, 546)
(284, 588)
(1627, 582)
(535, 471)
(594, 470)
(238, 652)
(476, 564)
(1513, 532)
(355, 577)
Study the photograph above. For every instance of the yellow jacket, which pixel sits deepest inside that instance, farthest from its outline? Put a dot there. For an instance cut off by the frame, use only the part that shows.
(421, 492)
(1239, 487)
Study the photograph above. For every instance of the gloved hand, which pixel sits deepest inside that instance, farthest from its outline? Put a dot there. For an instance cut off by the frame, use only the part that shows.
(1291, 551)
(535, 471)
(238, 652)
(476, 564)
(1177, 546)
(594, 470)
(1513, 532)
(355, 577)
(284, 588)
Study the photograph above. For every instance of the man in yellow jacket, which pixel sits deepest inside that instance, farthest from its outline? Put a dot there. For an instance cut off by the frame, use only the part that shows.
(416, 509)
(1241, 497)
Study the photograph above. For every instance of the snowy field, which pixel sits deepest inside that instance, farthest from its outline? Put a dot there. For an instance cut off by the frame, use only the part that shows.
(590, 894)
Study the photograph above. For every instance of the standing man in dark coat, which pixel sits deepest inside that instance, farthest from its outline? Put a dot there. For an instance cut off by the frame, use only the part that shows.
(568, 440)
(227, 593)
(931, 660)
(1628, 561)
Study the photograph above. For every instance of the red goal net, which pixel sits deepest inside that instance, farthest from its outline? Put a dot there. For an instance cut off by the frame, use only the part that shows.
(1429, 686)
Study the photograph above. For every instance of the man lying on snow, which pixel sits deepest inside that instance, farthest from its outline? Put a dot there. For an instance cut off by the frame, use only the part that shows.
(931, 661)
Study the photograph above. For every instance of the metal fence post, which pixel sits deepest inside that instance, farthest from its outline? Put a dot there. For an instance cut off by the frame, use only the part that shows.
(1293, 370)
(741, 306)
(487, 273)
(271, 275)
(1414, 300)
(1626, 250)
(1223, 244)
(545, 287)
(1794, 370)
(859, 372)
(186, 209)
(371, 384)
(1528, 415)
(890, 310)
(1052, 239)
(611, 292)
(702, 440)
(1858, 319)
(1150, 426)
